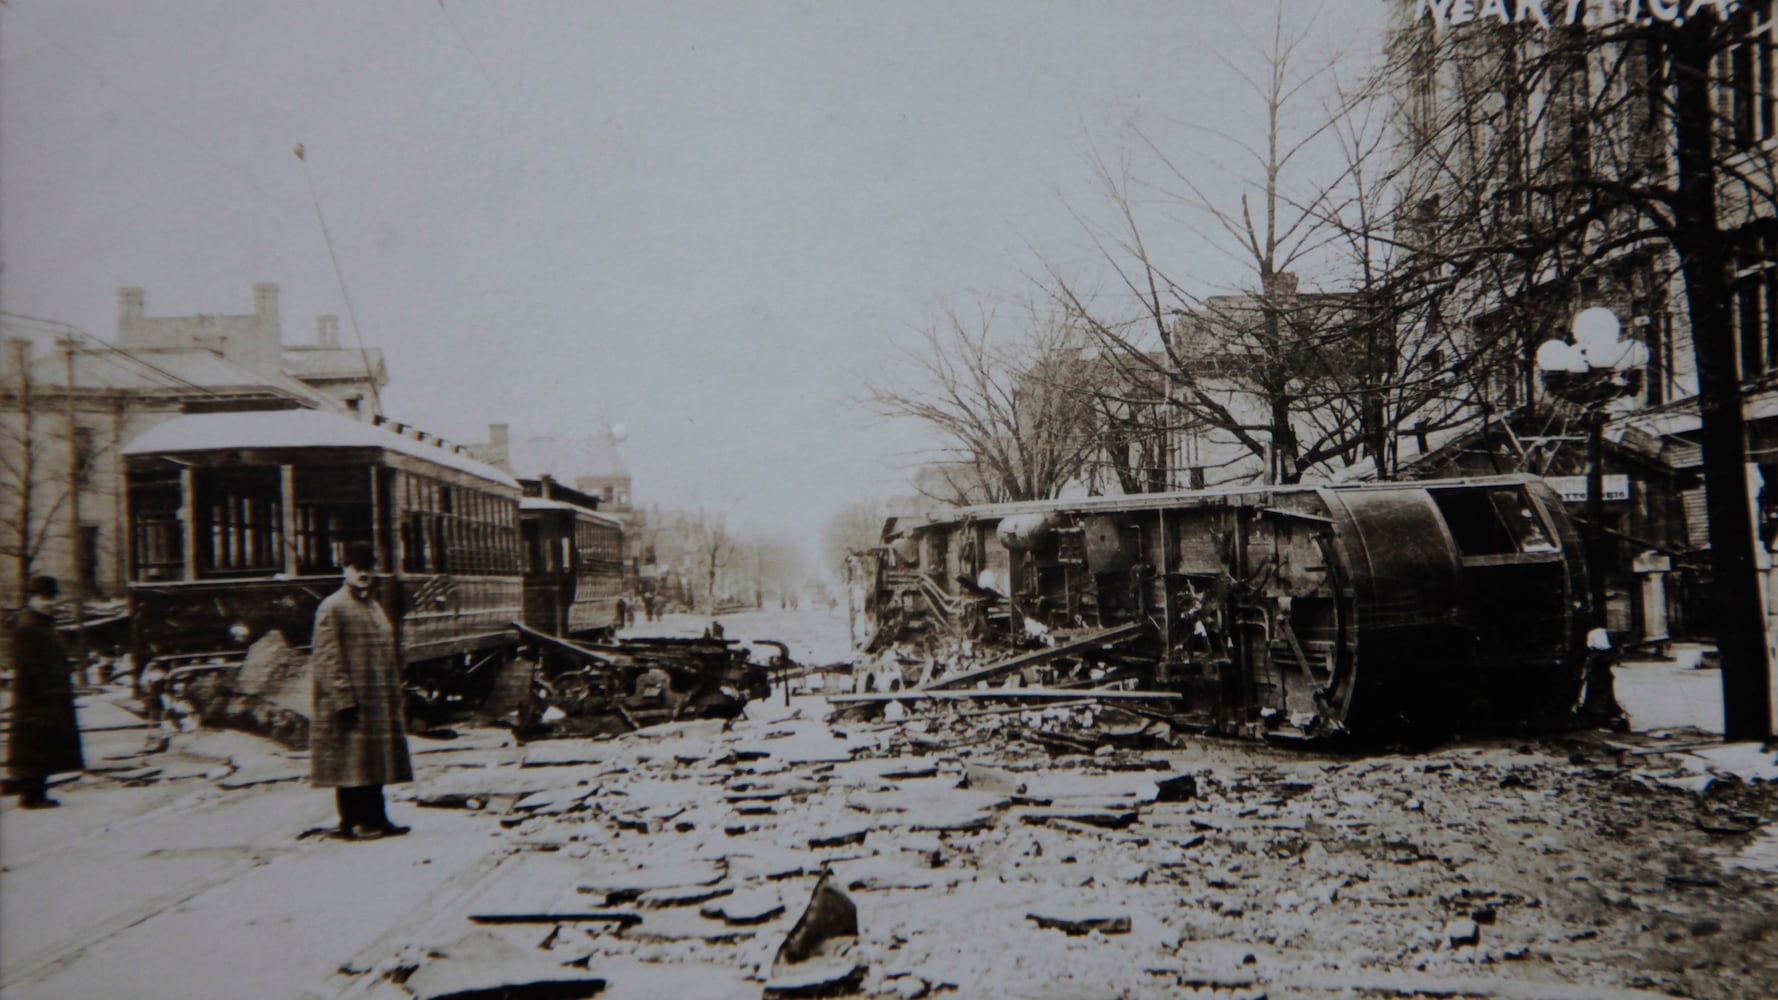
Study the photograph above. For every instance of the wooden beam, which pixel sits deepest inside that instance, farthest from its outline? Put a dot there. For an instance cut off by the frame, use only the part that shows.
(573, 649)
(287, 517)
(188, 522)
(1103, 637)
(993, 694)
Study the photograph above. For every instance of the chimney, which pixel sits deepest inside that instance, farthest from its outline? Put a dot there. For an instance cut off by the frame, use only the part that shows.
(498, 436)
(327, 331)
(1280, 285)
(130, 305)
(265, 306)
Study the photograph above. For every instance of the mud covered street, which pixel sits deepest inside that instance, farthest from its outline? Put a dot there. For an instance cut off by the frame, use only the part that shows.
(987, 853)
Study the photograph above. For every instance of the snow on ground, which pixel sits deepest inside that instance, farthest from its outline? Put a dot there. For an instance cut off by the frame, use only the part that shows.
(1673, 693)
(1590, 865)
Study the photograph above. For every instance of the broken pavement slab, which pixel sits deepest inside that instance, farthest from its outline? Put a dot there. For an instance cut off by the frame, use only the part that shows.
(819, 978)
(616, 881)
(678, 980)
(745, 908)
(482, 965)
(1083, 922)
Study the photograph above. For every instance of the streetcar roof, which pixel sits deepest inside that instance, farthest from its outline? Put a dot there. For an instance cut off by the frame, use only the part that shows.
(541, 503)
(297, 429)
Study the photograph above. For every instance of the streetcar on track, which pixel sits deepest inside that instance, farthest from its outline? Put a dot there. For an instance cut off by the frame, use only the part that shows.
(238, 522)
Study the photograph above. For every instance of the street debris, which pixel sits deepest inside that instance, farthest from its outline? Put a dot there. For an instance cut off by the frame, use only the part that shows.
(608, 688)
(1034, 852)
(563, 689)
(1274, 612)
(816, 959)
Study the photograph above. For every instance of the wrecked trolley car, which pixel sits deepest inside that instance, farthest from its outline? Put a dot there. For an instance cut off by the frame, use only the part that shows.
(238, 521)
(1373, 610)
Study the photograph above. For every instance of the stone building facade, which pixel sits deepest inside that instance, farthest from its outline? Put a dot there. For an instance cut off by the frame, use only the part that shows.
(1534, 163)
(69, 402)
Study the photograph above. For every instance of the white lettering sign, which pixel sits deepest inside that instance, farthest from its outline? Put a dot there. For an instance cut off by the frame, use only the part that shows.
(1587, 13)
(1574, 488)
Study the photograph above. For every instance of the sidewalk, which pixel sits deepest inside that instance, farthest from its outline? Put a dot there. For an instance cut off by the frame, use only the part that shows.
(1672, 694)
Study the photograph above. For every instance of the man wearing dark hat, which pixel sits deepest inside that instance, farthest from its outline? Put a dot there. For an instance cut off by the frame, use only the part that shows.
(358, 733)
(45, 735)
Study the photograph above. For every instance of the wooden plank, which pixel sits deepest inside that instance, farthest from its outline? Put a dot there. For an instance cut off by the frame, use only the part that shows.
(1103, 637)
(625, 917)
(188, 522)
(287, 519)
(1031, 694)
(571, 648)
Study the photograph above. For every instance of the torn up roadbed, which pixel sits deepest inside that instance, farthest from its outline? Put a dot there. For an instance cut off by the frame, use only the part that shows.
(1048, 851)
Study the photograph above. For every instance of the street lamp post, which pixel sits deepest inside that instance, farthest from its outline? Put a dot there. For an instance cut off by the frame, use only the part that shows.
(1592, 371)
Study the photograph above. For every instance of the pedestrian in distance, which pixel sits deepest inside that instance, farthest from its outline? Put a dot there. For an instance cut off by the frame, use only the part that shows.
(45, 737)
(358, 731)
(1600, 708)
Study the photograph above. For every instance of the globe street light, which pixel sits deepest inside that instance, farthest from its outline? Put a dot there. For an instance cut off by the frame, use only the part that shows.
(1592, 371)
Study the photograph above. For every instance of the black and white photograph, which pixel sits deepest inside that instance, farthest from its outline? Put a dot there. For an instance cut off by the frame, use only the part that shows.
(1223, 499)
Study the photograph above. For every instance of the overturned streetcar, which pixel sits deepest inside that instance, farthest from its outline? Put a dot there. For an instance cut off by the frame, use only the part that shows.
(1376, 610)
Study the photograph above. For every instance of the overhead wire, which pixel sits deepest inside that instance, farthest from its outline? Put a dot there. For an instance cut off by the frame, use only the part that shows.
(340, 276)
(99, 347)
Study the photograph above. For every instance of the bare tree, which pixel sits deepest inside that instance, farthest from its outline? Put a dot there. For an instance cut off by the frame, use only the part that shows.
(1274, 380)
(1573, 159)
(52, 442)
(1015, 412)
(853, 528)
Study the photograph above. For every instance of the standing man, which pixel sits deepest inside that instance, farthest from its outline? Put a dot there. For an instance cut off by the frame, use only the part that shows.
(1600, 708)
(358, 733)
(45, 735)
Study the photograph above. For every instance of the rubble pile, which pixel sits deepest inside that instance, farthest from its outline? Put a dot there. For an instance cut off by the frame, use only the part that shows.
(608, 688)
(981, 859)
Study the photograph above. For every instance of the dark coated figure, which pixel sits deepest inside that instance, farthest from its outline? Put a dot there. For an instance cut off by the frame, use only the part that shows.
(45, 733)
(358, 732)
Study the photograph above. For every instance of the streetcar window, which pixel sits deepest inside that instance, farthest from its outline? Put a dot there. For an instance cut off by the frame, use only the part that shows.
(157, 538)
(1497, 521)
(332, 508)
(239, 529)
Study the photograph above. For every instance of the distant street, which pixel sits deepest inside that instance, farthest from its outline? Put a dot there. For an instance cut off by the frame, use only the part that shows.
(1581, 866)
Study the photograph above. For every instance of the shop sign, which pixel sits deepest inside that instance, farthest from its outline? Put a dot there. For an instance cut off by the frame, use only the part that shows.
(1574, 488)
(1562, 13)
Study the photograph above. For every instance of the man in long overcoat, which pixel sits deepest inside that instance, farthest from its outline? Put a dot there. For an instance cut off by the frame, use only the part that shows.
(45, 734)
(358, 732)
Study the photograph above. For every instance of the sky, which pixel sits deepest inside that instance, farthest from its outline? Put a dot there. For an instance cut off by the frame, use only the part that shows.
(706, 221)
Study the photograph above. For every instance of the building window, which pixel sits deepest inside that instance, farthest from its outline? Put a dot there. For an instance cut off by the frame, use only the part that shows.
(84, 449)
(86, 558)
(1753, 299)
(1751, 71)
